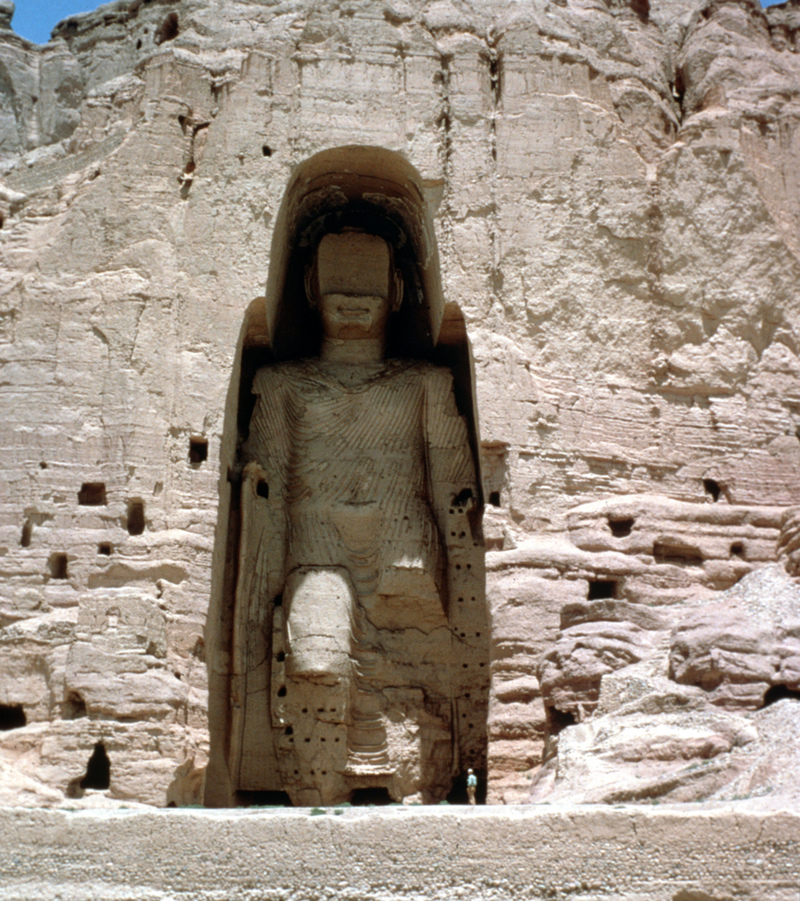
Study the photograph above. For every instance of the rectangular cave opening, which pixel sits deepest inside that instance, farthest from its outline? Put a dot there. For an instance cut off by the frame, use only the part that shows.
(263, 799)
(600, 589)
(135, 519)
(57, 565)
(198, 451)
(12, 716)
(92, 494)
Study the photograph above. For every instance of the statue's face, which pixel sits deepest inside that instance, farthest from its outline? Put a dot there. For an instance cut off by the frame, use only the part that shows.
(354, 280)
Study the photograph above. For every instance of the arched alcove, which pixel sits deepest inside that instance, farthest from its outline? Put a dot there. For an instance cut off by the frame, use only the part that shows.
(253, 737)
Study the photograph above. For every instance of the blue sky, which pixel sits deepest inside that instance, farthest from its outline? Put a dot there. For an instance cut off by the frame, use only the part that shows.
(35, 19)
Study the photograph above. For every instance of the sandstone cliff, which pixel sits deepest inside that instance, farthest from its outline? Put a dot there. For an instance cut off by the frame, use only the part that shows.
(615, 187)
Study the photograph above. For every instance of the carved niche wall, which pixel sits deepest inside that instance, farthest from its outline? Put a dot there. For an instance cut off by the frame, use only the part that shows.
(348, 628)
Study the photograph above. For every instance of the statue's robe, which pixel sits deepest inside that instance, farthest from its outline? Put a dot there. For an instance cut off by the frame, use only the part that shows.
(365, 472)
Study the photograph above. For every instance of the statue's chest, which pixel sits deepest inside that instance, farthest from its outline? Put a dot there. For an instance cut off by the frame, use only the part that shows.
(387, 413)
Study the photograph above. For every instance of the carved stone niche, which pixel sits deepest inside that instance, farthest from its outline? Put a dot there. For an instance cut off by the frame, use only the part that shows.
(348, 630)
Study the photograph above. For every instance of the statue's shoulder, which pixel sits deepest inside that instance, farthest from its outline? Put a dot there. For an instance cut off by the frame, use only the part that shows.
(270, 379)
(421, 370)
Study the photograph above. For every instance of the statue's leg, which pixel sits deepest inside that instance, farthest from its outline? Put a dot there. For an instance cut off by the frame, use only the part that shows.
(319, 627)
(319, 672)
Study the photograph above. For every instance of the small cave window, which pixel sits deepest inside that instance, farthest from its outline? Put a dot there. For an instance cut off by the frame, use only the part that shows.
(712, 488)
(198, 451)
(12, 716)
(98, 769)
(779, 693)
(494, 498)
(262, 489)
(27, 534)
(602, 588)
(92, 494)
(266, 150)
(558, 720)
(57, 565)
(74, 707)
(104, 549)
(621, 527)
(168, 30)
(135, 520)
(737, 549)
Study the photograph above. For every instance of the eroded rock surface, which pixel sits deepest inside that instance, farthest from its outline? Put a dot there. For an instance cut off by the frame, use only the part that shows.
(613, 191)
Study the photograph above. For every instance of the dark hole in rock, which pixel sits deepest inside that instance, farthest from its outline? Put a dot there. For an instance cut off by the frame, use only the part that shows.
(57, 564)
(712, 488)
(288, 731)
(737, 549)
(263, 799)
(278, 602)
(168, 30)
(461, 498)
(98, 769)
(620, 528)
(12, 716)
(74, 707)
(104, 549)
(678, 555)
(558, 720)
(135, 523)
(779, 693)
(262, 489)
(602, 588)
(27, 532)
(458, 792)
(92, 494)
(42, 465)
(2, 220)
(282, 691)
(280, 656)
(198, 451)
(172, 804)
(372, 796)
(139, 44)
(494, 498)
(266, 150)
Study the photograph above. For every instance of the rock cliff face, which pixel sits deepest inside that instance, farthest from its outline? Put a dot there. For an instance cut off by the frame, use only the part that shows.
(615, 189)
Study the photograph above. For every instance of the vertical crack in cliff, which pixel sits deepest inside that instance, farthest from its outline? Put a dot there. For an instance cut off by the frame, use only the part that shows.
(494, 62)
(444, 124)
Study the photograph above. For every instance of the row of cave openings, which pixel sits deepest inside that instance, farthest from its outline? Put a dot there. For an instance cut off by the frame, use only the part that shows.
(93, 494)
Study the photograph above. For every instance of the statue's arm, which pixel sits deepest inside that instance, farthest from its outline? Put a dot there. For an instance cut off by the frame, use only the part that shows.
(451, 468)
(266, 459)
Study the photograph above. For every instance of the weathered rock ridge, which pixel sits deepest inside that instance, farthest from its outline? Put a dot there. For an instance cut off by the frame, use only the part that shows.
(616, 205)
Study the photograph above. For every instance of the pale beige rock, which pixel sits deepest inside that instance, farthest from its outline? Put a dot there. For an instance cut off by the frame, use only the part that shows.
(613, 192)
(624, 853)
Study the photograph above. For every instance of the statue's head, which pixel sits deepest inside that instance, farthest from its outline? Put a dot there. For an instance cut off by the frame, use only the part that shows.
(354, 284)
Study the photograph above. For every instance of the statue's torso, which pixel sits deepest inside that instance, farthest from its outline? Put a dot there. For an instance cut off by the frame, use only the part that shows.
(355, 489)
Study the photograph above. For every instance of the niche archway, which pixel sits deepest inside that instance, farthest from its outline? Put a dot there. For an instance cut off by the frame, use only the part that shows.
(377, 191)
